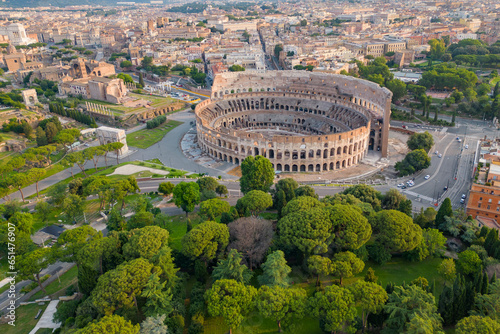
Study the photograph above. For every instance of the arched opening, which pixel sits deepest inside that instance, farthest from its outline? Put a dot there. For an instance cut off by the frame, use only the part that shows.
(337, 165)
(332, 152)
(325, 166)
(256, 151)
(311, 153)
(331, 165)
(294, 168)
(302, 168)
(371, 144)
(287, 168)
(230, 159)
(271, 154)
(225, 157)
(339, 151)
(318, 167)
(318, 153)
(325, 154)
(343, 163)
(278, 167)
(237, 161)
(345, 149)
(310, 168)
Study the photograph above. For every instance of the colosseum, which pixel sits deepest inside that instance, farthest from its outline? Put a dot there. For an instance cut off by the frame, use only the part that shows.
(301, 121)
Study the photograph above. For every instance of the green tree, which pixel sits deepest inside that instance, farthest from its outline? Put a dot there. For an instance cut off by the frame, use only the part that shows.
(305, 191)
(319, 265)
(370, 276)
(398, 89)
(350, 228)
(275, 270)
(166, 188)
(145, 242)
(205, 241)
(158, 298)
(420, 141)
(404, 303)
(346, 264)
(302, 203)
(477, 325)
(186, 196)
(366, 194)
(413, 162)
(111, 324)
(230, 300)
(41, 138)
(256, 174)
(254, 202)
(43, 209)
(335, 307)
(207, 184)
(71, 241)
(288, 185)
(213, 208)
(468, 262)
(36, 174)
(127, 63)
(396, 231)
(277, 49)
(231, 268)
(309, 231)
(438, 48)
(141, 80)
(281, 304)
(30, 265)
(445, 210)
(392, 199)
(221, 190)
(73, 206)
(120, 287)
(369, 297)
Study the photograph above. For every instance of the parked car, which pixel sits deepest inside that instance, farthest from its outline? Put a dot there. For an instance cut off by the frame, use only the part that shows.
(462, 200)
(445, 188)
(466, 146)
(427, 177)
(464, 196)
(401, 185)
(440, 155)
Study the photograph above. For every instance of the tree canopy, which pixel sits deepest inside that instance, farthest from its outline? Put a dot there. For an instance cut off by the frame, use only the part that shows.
(257, 173)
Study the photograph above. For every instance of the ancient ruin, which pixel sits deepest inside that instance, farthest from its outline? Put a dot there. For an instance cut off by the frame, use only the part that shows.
(300, 121)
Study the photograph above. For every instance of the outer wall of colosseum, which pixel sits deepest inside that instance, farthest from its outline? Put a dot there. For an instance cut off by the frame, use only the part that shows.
(300, 121)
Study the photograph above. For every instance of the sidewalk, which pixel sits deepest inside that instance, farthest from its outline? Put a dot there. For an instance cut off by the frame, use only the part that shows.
(46, 321)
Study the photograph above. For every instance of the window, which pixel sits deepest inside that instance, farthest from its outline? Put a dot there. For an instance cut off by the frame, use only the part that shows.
(480, 198)
(488, 207)
(489, 201)
(479, 205)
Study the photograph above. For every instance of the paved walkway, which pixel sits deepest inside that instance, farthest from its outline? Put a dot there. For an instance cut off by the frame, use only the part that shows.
(132, 169)
(46, 319)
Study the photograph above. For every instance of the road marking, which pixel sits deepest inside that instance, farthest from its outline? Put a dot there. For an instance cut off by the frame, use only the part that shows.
(412, 193)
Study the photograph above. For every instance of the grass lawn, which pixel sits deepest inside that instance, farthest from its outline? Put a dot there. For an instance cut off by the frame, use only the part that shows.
(178, 227)
(67, 279)
(255, 323)
(494, 81)
(25, 319)
(147, 137)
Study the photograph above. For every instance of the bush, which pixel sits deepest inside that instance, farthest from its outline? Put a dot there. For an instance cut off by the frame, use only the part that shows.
(155, 122)
(66, 311)
(33, 285)
(378, 254)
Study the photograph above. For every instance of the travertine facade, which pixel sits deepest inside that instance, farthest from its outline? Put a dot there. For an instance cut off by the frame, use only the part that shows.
(300, 121)
(108, 135)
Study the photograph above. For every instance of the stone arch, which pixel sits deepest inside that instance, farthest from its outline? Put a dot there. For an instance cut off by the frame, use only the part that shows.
(310, 168)
(318, 167)
(294, 168)
(331, 165)
(332, 152)
(343, 163)
(345, 149)
(325, 153)
(287, 168)
(325, 166)
(271, 153)
(302, 168)
(278, 167)
(237, 161)
(337, 165)
(339, 151)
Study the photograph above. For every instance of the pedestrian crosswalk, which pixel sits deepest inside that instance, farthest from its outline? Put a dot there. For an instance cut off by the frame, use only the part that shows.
(412, 193)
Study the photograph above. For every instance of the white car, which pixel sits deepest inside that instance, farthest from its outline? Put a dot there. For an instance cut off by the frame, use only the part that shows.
(466, 146)
(440, 156)
(427, 177)
(463, 196)
(400, 185)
